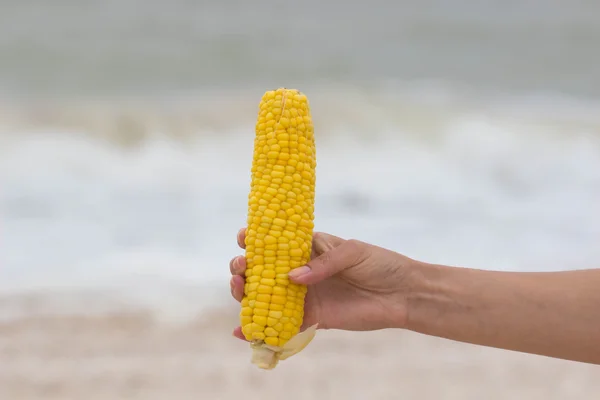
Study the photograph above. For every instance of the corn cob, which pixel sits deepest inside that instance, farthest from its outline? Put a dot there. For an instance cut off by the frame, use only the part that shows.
(279, 227)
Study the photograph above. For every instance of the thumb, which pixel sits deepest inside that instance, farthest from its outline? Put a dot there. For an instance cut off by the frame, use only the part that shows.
(323, 242)
(328, 263)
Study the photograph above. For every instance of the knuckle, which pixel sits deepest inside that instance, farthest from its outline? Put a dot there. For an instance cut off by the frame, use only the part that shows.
(356, 251)
(235, 265)
(319, 264)
(325, 259)
(354, 245)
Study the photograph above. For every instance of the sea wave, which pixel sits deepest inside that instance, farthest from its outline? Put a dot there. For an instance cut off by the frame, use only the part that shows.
(419, 108)
(451, 178)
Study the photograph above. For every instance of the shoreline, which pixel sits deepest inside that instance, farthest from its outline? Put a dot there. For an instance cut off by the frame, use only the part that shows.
(133, 355)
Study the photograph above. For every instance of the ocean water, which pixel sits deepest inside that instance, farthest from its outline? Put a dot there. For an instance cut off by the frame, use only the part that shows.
(465, 133)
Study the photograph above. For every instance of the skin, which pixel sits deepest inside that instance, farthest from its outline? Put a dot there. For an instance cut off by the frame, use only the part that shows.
(357, 286)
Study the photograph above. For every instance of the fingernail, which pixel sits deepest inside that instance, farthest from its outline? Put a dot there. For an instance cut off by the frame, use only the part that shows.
(298, 272)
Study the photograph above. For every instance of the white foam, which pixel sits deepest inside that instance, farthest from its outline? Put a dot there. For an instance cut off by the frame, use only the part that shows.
(474, 188)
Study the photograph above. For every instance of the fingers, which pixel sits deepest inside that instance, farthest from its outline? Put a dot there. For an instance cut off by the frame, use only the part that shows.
(236, 284)
(237, 332)
(241, 238)
(329, 263)
(237, 265)
(323, 242)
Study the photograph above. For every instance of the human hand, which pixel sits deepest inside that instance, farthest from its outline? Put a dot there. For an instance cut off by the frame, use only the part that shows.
(352, 285)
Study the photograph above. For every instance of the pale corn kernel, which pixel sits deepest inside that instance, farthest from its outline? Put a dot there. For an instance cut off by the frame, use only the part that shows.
(271, 332)
(288, 327)
(283, 239)
(268, 282)
(285, 335)
(269, 273)
(265, 298)
(288, 313)
(265, 289)
(270, 240)
(261, 312)
(258, 259)
(278, 299)
(296, 252)
(257, 327)
(256, 269)
(261, 305)
(277, 290)
(247, 330)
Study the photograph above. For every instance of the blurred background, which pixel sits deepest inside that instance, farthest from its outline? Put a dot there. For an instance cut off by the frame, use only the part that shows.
(464, 133)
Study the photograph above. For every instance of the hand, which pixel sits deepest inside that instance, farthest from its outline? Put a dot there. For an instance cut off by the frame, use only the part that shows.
(352, 285)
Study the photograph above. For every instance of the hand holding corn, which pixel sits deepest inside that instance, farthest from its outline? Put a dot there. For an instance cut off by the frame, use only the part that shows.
(356, 286)
(352, 285)
(279, 237)
(291, 282)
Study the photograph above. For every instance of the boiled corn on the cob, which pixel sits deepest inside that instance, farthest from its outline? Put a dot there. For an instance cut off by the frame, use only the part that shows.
(279, 227)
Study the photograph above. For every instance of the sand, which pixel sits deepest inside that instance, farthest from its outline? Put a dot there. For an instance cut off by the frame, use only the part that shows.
(134, 356)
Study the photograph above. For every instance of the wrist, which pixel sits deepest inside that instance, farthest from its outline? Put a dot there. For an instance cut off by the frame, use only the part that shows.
(413, 286)
(427, 296)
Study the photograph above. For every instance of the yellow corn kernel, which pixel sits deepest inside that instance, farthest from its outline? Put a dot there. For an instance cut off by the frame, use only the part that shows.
(280, 218)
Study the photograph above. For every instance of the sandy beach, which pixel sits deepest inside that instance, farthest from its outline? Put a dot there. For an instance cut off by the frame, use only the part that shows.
(133, 356)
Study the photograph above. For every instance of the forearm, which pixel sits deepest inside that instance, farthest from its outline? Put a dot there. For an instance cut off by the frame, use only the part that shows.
(555, 314)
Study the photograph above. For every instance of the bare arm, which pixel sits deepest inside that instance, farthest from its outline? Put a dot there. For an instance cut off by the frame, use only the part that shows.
(555, 314)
